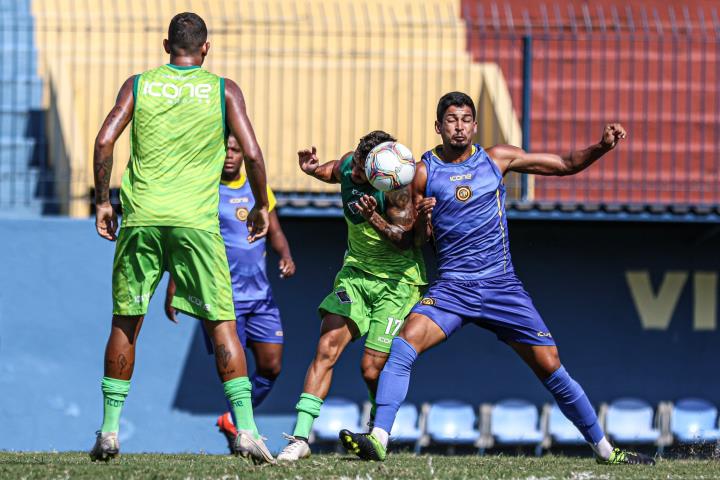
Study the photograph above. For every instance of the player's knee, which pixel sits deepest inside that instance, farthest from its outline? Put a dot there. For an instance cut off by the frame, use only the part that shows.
(370, 371)
(550, 363)
(270, 369)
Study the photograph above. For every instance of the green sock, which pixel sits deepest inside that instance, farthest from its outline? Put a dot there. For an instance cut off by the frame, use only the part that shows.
(308, 409)
(114, 393)
(239, 392)
(373, 406)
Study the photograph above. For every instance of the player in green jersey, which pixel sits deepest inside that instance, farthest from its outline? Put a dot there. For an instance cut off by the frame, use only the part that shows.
(380, 280)
(180, 115)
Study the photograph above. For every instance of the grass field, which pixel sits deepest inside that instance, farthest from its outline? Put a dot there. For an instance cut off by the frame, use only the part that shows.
(399, 466)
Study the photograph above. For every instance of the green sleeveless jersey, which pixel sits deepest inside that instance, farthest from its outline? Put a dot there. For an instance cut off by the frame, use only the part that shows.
(177, 149)
(367, 250)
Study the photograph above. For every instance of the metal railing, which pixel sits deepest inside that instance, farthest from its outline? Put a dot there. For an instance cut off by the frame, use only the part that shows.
(328, 71)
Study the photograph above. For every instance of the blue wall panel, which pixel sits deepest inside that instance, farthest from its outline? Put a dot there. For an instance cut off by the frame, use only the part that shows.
(55, 314)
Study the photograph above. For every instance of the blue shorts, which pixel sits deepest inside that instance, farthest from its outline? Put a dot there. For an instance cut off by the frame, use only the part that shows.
(499, 304)
(257, 321)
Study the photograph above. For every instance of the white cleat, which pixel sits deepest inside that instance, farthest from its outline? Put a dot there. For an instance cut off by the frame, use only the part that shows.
(106, 446)
(246, 445)
(296, 449)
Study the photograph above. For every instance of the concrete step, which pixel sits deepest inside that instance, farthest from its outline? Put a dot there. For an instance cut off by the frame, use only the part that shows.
(22, 93)
(18, 62)
(17, 155)
(15, 7)
(17, 31)
(16, 123)
(20, 189)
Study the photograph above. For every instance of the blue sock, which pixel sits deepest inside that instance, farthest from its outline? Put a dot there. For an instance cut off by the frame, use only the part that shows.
(393, 383)
(261, 386)
(574, 404)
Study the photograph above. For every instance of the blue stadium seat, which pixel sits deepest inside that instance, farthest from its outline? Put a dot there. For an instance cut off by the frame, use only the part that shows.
(693, 420)
(515, 422)
(406, 428)
(560, 429)
(451, 422)
(336, 414)
(630, 420)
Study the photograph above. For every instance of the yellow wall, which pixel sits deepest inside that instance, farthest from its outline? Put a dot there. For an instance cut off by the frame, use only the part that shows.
(317, 72)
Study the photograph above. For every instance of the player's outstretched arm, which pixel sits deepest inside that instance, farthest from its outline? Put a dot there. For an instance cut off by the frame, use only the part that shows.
(113, 126)
(241, 128)
(279, 243)
(423, 205)
(514, 159)
(328, 172)
(397, 228)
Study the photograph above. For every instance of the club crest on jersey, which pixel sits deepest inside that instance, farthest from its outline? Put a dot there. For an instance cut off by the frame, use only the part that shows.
(241, 213)
(463, 193)
(428, 301)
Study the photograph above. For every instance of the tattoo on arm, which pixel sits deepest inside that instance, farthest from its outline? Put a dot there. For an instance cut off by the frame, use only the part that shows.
(398, 228)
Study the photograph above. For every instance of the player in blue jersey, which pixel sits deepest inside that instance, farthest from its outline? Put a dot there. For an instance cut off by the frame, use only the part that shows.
(257, 316)
(460, 198)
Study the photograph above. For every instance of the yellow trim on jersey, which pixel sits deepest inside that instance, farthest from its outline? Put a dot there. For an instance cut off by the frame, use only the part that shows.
(435, 152)
(240, 182)
(502, 229)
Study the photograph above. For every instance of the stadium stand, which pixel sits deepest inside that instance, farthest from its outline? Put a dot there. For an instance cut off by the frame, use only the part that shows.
(558, 429)
(293, 63)
(630, 421)
(335, 414)
(648, 62)
(449, 423)
(694, 420)
(21, 126)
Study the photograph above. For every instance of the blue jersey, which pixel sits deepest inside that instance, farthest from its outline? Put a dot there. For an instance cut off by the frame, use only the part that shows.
(246, 260)
(469, 222)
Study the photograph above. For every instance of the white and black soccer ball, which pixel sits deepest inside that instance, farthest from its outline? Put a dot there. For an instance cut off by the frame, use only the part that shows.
(390, 166)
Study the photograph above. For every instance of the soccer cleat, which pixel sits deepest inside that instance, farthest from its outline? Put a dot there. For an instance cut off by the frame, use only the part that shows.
(296, 449)
(623, 457)
(364, 445)
(246, 445)
(227, 428)
(106, 446)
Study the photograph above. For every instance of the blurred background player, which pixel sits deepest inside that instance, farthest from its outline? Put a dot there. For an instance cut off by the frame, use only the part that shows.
(381, 278)
(256, 314)
(460, 197)
(169, 194)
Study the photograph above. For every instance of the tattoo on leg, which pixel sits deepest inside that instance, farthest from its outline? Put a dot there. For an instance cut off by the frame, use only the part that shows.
(122, 361)
(223, 355)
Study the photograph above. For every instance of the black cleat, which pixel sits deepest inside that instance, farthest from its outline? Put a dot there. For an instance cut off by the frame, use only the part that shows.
(364, 445)
(624, 457)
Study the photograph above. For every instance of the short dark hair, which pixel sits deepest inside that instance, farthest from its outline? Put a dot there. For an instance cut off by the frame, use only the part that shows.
(370, 141)
(456, 99)
(187, 33)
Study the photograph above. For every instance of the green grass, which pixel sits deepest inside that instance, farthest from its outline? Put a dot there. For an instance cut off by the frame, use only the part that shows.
(398, 466)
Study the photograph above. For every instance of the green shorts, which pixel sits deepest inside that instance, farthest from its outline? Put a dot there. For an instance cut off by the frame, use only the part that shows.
(196, 260)
(378, 306)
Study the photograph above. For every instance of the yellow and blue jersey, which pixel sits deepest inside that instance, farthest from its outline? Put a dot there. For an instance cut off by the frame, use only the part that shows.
(246, 260)
(469, 221)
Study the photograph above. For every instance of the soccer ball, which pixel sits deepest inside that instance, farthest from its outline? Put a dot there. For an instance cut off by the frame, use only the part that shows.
(390, 166)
